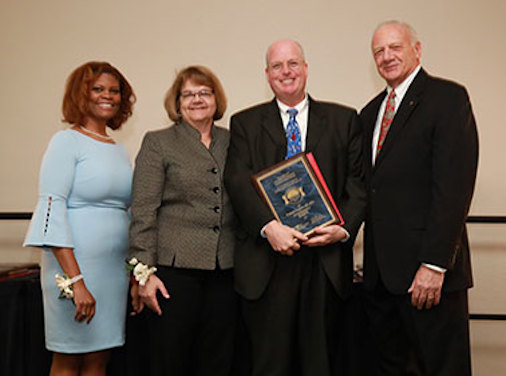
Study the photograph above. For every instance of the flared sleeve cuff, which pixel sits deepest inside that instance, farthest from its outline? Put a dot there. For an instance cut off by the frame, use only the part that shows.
(49, 226)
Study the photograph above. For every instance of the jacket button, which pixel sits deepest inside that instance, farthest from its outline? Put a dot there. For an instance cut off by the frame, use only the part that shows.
(216, 209)
(216, 189)
(216, 229)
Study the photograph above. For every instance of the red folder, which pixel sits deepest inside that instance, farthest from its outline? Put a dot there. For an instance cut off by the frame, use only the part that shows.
(319, 176)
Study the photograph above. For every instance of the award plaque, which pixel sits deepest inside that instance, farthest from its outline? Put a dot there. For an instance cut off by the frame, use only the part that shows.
(297, 194)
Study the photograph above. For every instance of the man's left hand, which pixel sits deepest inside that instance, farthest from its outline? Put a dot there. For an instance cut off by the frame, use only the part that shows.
(426, 288)
(326, 235)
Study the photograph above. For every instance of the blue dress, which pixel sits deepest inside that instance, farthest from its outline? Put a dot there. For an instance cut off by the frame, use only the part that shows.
(84, 195)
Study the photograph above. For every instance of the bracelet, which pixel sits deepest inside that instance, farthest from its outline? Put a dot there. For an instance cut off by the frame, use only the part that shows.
(64, 283)
(141, 272)
(75, 279)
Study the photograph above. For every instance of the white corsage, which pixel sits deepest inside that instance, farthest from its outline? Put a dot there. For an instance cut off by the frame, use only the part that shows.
(64, 283)
(140, 271)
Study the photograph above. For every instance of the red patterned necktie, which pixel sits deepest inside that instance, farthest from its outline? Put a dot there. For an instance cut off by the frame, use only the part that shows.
(388, 116)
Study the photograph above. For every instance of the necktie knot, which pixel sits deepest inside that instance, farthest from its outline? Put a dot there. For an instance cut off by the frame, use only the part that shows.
(391, 99)
(292, 112)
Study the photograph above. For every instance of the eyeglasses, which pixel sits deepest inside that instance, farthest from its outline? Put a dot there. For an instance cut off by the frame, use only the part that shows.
(290, 64)
(203, 94)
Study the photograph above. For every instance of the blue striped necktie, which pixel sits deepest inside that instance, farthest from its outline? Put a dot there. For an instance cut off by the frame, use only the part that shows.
(293, 144)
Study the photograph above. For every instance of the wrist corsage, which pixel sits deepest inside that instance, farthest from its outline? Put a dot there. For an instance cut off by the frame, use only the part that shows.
(140, 271)
(64, 283)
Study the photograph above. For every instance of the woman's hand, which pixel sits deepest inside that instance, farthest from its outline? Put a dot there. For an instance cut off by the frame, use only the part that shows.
(137, 303)
(84, 301)
(148, 293)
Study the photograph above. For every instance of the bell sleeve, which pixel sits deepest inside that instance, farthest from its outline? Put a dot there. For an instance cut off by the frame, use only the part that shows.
(49, 226)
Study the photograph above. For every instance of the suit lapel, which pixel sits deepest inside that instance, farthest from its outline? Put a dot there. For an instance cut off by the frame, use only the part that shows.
(408, 104)
(369, 121)
(273, 126)
(316, 125)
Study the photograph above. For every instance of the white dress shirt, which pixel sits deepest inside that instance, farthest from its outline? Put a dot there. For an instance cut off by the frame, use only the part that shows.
(302, 117)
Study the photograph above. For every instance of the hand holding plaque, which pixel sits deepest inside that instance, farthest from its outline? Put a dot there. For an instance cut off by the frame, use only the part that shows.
(297, 194)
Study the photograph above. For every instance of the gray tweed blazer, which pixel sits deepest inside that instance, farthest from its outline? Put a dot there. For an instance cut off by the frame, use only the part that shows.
(181, 213)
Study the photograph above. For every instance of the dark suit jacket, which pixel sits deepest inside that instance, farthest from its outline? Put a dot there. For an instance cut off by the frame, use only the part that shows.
(258, 141)
(420, 187)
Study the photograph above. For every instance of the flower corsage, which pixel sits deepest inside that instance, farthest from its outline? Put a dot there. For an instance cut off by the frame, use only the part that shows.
(140, 271)
(64, 283)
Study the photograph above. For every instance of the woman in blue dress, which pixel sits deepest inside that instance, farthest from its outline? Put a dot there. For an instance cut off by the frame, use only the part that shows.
(81, 222)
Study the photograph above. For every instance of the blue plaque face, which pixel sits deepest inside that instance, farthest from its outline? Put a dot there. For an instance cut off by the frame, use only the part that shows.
(294, 195)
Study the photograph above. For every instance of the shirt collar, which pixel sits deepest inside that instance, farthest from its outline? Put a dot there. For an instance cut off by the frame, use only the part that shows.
(403, 87)
(302, 105)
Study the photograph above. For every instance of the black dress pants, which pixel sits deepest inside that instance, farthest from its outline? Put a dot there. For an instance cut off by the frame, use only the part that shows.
(433, 342)
(195, 335)
(293, 326)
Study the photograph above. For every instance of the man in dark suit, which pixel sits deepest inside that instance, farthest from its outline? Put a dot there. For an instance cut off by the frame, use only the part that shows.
(293, 286)
(421, 153)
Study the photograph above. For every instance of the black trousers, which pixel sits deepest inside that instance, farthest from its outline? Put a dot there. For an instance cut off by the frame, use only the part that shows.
(293, 326)
(433, 342)
(195, 334)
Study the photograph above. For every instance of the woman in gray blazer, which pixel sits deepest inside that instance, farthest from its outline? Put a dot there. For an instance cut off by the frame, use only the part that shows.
(181, 235)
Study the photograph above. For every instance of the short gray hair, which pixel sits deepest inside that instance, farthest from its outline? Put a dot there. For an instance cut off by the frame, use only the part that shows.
(411, 31)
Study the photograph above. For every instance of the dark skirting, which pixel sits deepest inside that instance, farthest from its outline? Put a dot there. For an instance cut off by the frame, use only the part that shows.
(23, 353)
